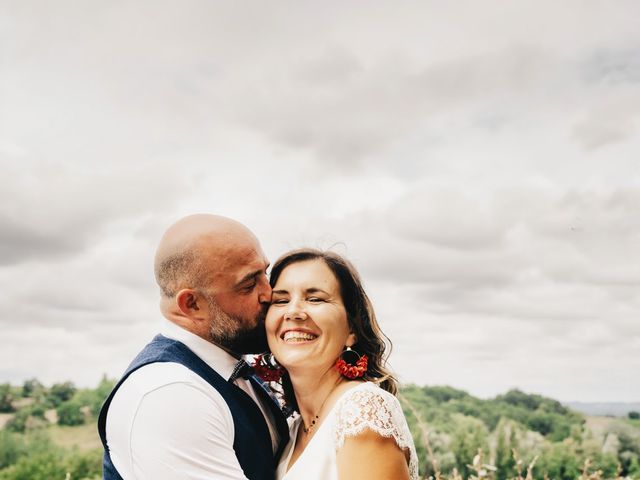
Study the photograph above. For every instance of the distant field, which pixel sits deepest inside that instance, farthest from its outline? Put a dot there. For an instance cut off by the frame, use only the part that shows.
(600, 425)
(84, 437)
(615, 409)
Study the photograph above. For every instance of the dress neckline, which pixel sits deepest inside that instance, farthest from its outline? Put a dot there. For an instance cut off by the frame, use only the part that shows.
(298, 422)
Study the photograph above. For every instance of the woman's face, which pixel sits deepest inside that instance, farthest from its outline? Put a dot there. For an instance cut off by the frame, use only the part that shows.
(307, 322)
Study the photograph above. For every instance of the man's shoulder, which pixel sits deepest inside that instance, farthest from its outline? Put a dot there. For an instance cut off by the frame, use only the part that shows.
(158, 376)
(164, 405)
(162, 383)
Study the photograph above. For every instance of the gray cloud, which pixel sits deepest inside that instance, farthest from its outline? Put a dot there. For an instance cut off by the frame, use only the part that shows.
(614, 67)
(610, 121)
(358, 118)
(19, 242)
(547, 261)
(478, 162)
(47, 212)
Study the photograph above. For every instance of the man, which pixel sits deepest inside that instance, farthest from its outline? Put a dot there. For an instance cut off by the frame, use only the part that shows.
(182, 410)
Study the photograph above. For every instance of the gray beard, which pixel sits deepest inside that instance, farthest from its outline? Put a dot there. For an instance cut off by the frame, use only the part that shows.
(229, 332)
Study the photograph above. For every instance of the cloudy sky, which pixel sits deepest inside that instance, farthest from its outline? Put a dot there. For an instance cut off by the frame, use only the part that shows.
(478, 161)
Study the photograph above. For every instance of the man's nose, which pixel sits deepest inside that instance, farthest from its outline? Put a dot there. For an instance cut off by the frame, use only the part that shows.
(264, 295)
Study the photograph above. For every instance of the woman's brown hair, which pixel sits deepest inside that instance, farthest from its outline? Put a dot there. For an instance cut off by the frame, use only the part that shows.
(370, 340)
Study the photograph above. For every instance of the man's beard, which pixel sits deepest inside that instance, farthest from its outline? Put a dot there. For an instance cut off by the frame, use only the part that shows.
(233, 335)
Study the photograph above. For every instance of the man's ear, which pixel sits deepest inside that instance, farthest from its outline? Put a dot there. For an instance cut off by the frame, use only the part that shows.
(351, 340)
(188, 302)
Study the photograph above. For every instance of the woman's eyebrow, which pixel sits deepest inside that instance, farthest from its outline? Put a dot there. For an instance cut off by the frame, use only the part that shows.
(308, 290)
(316, 290)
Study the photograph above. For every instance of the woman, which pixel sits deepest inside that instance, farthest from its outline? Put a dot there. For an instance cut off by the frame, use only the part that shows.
(322, 329)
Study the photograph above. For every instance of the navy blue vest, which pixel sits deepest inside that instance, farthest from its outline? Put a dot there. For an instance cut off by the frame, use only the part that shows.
(252, 442)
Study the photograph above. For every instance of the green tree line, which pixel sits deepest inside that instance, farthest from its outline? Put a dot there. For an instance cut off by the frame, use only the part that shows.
(510, 428)
(532, 426)
(27, 450)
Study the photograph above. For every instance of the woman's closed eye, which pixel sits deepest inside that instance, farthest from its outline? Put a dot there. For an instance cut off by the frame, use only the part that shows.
(279, 301)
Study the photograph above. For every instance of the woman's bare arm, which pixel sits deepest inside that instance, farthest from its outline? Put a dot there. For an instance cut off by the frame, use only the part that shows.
(371, 456)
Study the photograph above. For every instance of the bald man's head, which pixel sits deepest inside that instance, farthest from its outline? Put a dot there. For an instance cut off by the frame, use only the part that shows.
(179, 260)
(212, 273)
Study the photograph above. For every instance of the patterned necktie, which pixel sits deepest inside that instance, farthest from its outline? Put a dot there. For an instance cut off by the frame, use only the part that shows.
(241, 370)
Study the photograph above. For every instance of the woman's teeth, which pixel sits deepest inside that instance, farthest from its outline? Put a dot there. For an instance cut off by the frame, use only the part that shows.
(293, 337)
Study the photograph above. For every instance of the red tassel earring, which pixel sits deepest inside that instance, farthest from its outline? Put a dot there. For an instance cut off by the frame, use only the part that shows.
(352, 371)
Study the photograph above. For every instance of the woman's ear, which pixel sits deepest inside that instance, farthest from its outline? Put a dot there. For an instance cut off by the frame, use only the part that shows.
(351, 340)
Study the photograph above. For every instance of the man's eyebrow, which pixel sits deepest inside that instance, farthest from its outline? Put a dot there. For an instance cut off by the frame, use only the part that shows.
(250, 276)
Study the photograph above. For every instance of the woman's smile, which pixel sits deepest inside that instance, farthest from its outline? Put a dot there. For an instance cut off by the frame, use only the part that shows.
(294, 336)
(307, 321)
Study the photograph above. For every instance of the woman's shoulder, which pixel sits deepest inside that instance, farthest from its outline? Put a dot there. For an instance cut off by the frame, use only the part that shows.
(367, 406)
(365, 393)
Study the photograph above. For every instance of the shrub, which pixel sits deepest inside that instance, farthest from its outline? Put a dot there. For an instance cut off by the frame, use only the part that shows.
(506, 443)
(28, 452)
(61, 392)
(444, 394)
(559, 461)
(83, 465)
(101, 393)
(470, 435)
(6, 398)
(40, 459)
(32, 388)
(70, 413)
(42, 466)
(12, 447)
(28, 417)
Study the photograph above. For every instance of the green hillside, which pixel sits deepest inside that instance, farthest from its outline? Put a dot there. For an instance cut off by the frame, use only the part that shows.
(50, 433)
(455, 425)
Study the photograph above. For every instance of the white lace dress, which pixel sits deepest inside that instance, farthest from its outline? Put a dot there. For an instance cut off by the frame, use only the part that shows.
(366, 406)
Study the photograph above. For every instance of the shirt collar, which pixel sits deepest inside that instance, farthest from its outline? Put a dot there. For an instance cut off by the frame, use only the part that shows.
(222, 362)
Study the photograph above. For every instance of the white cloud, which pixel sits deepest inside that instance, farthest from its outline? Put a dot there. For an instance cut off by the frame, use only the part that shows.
(478, 163)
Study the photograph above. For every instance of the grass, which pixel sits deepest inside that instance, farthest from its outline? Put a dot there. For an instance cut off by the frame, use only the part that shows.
(4, 418)
(84, 437)
(634, 422)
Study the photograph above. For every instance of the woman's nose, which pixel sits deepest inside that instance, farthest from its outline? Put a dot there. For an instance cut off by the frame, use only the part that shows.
(294, 311)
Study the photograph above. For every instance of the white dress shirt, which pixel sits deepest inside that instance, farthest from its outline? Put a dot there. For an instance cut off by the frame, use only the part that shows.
(166, 422)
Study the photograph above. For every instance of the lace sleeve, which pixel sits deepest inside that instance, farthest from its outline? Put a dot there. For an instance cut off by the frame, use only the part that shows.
(377, 410)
